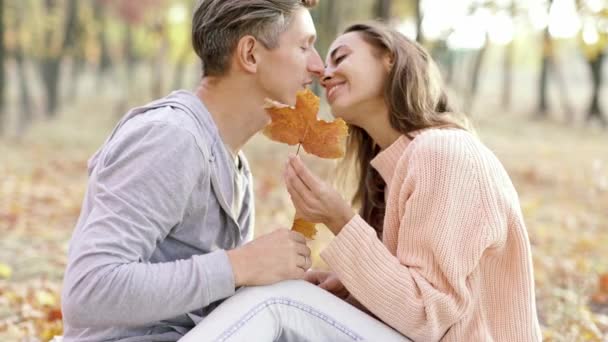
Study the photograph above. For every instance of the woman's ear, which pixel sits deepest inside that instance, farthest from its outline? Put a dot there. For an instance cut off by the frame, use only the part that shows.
(388, 60)
(246, 54)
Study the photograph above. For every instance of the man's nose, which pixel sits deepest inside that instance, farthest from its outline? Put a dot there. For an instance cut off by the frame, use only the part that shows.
(315, 64)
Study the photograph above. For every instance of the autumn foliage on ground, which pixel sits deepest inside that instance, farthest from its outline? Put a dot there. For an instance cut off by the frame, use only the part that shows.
(561, 174)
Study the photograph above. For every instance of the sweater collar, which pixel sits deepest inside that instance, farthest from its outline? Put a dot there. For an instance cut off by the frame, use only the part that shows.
(386, 161)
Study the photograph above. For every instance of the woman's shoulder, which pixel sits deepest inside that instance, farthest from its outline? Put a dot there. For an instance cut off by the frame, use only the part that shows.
(444, 142)
(456, 150)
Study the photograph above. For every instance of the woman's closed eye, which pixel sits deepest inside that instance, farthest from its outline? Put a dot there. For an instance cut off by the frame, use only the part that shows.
(339, 59)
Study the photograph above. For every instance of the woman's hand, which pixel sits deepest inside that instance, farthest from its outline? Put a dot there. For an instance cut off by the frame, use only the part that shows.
(328, 281)
(314, 200)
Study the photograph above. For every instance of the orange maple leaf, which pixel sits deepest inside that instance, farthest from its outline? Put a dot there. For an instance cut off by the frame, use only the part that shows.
(308, 229)
(300, 125)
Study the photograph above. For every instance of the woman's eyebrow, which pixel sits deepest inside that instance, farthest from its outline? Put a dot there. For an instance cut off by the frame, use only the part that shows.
(333, 53)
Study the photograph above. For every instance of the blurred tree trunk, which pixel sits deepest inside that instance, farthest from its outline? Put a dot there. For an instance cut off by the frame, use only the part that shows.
(25, 116)
(25, 103)
(182, 61)
(507, 84)
(419, 17)
(180, 67)
(327, 17)
(105, 61)
(51, 62)
(78, 59)
(547, 52)
(157, 62)
(542, 86)
(130, 58)
(474, 85)
(382, 9)
(2, 71)
(594, 110)
(549, 65)
(563, 89)
(78, 66)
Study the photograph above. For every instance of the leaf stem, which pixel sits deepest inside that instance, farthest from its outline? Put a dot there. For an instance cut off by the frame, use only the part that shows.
(300, 144)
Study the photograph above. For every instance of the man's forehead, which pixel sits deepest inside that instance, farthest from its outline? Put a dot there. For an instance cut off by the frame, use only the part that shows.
(302, 25)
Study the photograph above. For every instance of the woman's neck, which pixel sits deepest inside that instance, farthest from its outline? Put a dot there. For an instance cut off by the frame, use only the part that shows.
(380, 130)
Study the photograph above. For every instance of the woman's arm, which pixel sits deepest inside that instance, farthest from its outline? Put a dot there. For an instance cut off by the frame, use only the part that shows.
(422, 287)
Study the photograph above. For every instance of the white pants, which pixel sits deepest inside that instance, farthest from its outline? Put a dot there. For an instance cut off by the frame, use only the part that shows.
(289, 311)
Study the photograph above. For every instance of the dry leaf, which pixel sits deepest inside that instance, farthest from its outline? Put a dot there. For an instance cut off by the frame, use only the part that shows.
(604, 283)
(601, 297)
(305, 228)
(54, 315)
(300, 125)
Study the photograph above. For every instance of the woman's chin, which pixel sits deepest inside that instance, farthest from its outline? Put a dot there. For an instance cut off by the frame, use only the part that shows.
(341, 115)
(339, 111)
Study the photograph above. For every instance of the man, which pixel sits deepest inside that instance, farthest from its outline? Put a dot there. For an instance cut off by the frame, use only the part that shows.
(167, 221)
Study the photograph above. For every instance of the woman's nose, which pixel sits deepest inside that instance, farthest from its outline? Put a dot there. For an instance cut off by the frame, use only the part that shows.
(326, 77)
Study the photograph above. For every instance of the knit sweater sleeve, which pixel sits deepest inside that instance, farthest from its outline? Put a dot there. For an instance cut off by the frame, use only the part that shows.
(423, 287)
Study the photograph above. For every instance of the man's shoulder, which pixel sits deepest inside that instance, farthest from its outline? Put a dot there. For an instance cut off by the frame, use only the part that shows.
(169, 116)
(176, 125)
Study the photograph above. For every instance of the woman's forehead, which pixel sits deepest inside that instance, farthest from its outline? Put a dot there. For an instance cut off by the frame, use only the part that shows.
(347, 40)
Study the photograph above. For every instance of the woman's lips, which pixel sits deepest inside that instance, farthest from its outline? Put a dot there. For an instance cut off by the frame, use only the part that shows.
(333, 89)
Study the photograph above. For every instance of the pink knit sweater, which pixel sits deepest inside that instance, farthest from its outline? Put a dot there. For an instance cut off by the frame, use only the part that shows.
(454, 262)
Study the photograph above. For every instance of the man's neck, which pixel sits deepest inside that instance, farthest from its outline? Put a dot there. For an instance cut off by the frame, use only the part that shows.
(237, 111)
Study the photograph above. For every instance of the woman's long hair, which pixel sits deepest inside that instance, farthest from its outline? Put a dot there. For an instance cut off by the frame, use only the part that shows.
(415, 99)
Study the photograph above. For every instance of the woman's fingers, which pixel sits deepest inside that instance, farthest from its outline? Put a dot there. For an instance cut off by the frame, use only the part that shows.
(331, 284)
(295, 186)
(307, 177)
(316, 277)
(312, 277)
(335, 286)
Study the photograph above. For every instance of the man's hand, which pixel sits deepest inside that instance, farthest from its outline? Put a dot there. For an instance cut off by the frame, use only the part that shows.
(280, 255)
(328, 281)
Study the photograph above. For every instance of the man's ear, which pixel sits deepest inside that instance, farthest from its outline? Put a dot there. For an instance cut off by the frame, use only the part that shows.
(246, 54)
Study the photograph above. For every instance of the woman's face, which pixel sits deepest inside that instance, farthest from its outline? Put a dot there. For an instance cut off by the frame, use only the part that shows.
(354, 78)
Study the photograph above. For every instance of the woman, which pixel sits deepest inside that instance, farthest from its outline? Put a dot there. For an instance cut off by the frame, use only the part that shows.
(438, 250)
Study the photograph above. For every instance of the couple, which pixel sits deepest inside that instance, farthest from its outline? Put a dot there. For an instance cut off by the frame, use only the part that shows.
(164, 249)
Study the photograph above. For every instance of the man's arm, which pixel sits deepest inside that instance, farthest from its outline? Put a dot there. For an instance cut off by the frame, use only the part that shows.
(140, 193)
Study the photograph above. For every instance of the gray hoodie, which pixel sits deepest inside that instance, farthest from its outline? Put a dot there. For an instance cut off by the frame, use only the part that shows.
(147, 259)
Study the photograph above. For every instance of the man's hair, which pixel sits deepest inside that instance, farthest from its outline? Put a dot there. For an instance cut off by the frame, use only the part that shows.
(218, 25)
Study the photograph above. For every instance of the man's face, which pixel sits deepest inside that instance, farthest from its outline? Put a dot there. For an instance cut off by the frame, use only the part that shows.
(291, 66)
